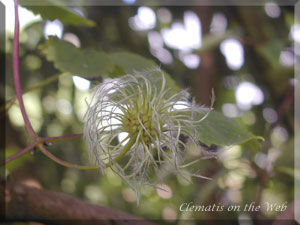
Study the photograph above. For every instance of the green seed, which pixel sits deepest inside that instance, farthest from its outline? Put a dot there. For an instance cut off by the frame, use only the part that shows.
(153, 133)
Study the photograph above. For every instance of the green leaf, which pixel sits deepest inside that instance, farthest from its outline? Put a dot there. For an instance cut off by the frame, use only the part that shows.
(222, 131)
(51, 10)
(132, 63)
(68, 58)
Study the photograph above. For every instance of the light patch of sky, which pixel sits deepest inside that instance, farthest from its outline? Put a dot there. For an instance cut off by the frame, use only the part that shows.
(164, 15)
(293, 81)
(81, 83)
(261, 160)
(287, 58)
(219, 24)
(156, 48)
(180, 105)
(110, 122)
(129, 2)
(122, 136)
(53, 28)
(230, 110)
(272, 9)
(270, 115)
(162, 55)
(233, 51)
(248, 94)
(184, 36)
(145, 19)
(191, 61)
(72, 38)
(280, 133)
(295, 32)
(27, 16)
(64, 106)
(155, 39)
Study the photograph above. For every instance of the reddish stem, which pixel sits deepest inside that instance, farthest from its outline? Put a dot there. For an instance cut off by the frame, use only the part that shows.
(18, 154)
(64, 163)
(37, 141)
(17, 82)
(59, 138)
(17, 73)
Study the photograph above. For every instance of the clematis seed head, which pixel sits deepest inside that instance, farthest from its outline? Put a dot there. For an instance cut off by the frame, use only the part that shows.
(153, 118)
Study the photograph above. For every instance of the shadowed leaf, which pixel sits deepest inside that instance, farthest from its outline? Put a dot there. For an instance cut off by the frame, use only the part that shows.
(68, 58)
(52, 10)
(222, 131)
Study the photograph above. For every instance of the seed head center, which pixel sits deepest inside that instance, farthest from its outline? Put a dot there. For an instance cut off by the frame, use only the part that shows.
(139, 120)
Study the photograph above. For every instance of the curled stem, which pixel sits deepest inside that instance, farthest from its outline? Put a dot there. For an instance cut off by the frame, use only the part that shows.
(64, 163)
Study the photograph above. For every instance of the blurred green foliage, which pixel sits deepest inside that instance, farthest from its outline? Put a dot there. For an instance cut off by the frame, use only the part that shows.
(240, 175)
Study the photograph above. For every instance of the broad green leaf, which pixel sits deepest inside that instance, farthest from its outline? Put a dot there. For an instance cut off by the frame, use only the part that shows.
(51, 10)
(132, 63)
(68, 58)
(222, 131)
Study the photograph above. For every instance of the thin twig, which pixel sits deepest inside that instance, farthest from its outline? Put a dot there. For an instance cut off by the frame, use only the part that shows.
(64, 163)
(12, 101)
(60, 138)
(16, 72)
(41, 141)
(20, 153)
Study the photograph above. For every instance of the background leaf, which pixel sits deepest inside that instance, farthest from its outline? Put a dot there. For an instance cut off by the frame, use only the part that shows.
(68, 58)
(52, 10)
(132, 63)
(222, 131)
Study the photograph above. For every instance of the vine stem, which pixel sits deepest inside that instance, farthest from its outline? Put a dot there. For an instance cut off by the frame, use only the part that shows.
(37, 141)
(16, 72)
(40, 140)
(20, 153)
(12, 101)
(64, 163)
(60, 138)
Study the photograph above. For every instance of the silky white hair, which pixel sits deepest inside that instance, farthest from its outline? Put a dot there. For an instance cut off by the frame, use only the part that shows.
(151, 147)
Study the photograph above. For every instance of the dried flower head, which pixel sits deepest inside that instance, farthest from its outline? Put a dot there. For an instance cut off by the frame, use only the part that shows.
(154, 121)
